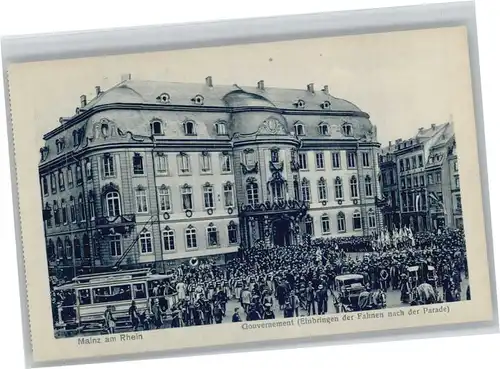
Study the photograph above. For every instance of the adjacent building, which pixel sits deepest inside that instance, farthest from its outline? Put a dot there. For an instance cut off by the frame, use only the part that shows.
(157, 173)
(427, 181)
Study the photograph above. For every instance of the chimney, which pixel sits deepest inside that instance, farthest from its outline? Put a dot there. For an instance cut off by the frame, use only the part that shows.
(83, 101)
(421, 129)
(325, 89)
(260, 84)
(208, 81)
(433, 126)
(310, 87)
(126, 77)
(398, 140)
(97, 90)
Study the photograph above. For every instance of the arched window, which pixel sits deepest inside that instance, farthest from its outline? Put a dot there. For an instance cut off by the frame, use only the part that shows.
(113, 204)
(81, 208)
(253, 193)
(296, 189)
(322, 190)
(372, 223)
(156, 128)
(78, 248)
(69, 249)
(220, 128)
(341, 222)
(232, 232)
(368, 186)
(299, 129)
(347, 129)
(187, 197)
(354, 187)
(91, 205)
(309, 225)
(323, 129)
(212, 235)
(228, 195)
(191, 238)
(339, 189)
(168, 236)
(60, 249)
(325, 224)
(356, 220)
(306, 190)
(189, 128)
(51, 251)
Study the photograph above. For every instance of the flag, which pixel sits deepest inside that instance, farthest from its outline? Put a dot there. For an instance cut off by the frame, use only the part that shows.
(434, 197)
(418, 207)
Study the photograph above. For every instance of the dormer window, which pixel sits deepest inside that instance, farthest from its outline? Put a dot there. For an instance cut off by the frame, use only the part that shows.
(325, 105)
(300, 104)
(220, 128)
(347, 129)
(299, 129)
(60, 145)
(164, 98)
(189, 128)
(198, 100)
(323, 129)
(156, 128)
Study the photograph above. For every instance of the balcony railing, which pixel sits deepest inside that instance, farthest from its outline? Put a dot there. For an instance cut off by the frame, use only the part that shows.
(286, 206)
(120, 224)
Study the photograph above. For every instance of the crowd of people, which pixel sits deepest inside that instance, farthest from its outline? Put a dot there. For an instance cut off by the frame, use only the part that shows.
(286, 281)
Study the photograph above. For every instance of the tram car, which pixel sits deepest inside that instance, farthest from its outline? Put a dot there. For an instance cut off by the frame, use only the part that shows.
(91, 294)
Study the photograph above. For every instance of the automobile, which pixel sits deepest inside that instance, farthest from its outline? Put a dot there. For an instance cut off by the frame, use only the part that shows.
(350, 286)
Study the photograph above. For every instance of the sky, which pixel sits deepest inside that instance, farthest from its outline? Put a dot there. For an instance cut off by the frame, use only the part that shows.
(404, 80)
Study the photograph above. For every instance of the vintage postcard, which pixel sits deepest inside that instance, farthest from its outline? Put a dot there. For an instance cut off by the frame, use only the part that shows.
(249, 193)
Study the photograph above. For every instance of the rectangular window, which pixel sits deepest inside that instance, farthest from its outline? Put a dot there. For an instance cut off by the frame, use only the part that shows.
(187, 198)
(72, 211)
(115, 243)
(336, 163)
(458, 202)
(168, 240)
(45, 186)
(164, 198)
(60, 176)
(422, 181)
(64, 212)
(403, 183)
(208, 197)
(141, 200)
(457, 181)
(356, 221)
(108, 165)
(88, 169)
(366, 159)
(303, 160)
(53, 184)
(408, 182)
(191, 239)
(401, 165)
(184, 164)
(162, 163)
(415, 181)
(351, 160)
(206, 163)
(407, 163)
(226, 163)
(70, 177)
(310, 227)
(414, 162)
(430, 179)
(138, 164)
(146, 243)
(455, 166)
(228, 195)
(391, 177)
(249, 158)
(438, 177)
(420, 161)
(320, 161)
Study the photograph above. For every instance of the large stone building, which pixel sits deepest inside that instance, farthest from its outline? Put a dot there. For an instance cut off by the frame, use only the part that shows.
(426, 184)
(154, 172)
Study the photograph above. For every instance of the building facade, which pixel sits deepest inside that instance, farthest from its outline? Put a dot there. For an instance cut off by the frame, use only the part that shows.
(427, 180)
(158, 173)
